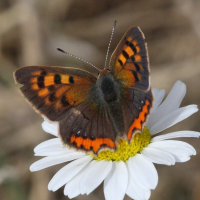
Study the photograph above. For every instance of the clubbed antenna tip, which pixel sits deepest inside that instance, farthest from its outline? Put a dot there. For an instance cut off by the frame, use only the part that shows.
(60, 50)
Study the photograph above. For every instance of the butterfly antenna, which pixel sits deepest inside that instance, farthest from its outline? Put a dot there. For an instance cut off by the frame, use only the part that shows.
(78, 58)
(113, 29)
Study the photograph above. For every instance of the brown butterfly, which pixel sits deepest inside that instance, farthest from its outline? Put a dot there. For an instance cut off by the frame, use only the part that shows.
(94, 113)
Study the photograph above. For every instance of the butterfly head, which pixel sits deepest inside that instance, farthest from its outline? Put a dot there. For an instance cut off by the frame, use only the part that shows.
(103, 72)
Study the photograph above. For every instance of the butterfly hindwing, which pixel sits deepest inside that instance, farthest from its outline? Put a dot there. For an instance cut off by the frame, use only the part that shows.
(136, 108)
(88, 128)
(129, 62)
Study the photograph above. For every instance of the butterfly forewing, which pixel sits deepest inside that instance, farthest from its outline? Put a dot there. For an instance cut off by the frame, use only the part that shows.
(54, 90)
(129, 62)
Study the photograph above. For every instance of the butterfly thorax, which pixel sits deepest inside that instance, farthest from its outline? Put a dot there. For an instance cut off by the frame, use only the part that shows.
(107, 87)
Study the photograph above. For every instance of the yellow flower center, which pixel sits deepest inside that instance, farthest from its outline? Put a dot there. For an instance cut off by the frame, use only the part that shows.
(125, 150)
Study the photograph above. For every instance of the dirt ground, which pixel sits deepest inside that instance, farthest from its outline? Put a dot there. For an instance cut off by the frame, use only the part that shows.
(30, 32)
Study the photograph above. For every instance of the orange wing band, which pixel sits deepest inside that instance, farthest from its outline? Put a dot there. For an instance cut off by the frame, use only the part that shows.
(137, 124)
(94, 144)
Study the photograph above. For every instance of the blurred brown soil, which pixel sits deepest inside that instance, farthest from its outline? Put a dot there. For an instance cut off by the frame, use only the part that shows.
(30, 32)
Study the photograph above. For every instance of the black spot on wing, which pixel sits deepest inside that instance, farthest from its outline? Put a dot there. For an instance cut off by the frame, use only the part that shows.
(43, 73)
(135, 75)
(120, 62)
(52, 97)
(40, 81)
(78, 133)
(57, 79)
(64, 101)
(85, 135)
(133, 48)
(127, 42)
(133, 58)
(92, 137)
(125, 54)
(131, 45)
(137, 67)
(71, 79)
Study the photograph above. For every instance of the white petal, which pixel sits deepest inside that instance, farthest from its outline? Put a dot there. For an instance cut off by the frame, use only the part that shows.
(158, 156)
(173, 118)
(54, 160)
(51, 142)
(72, 188)
(142, 172)
(94, 176)
(158, 95)
(52, 147)
(68, 172)
(180, 150)
(52, 151)
(171, 103)
(136, 192)
(147, 194)
(176, 135)
(116, 182)
(51, 128)
(182, 158)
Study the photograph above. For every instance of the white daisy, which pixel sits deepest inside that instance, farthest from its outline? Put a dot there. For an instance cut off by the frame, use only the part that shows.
(130, 169)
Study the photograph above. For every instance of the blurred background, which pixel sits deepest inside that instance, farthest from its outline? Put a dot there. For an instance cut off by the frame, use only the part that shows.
(30, 32)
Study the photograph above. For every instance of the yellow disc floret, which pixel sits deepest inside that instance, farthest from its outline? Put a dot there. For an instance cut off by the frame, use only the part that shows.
(124, 150)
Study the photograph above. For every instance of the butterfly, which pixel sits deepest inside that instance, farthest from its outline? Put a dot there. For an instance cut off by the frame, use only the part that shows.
(94, 113)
